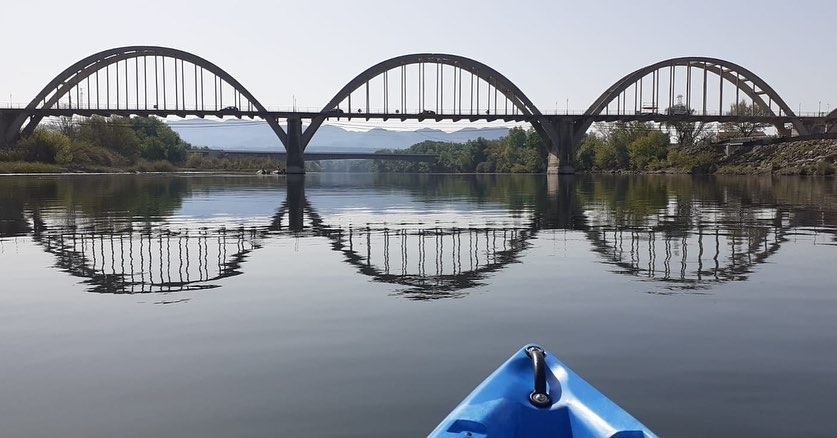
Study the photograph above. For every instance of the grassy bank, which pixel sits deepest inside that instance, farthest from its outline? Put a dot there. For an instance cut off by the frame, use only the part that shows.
(27, 167)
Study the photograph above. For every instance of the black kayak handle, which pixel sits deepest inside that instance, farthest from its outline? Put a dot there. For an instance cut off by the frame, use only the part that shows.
(538, 397)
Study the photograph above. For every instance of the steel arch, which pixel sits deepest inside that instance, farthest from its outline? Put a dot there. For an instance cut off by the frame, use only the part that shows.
(74, 74)
(725, 69)
(482, 71)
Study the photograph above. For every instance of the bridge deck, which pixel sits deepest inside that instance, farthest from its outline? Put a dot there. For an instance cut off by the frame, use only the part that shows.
(307, 115)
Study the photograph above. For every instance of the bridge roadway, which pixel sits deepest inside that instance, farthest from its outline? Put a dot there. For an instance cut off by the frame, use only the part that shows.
(310, 115)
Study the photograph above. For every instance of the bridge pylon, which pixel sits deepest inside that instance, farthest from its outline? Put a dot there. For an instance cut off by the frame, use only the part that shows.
(294, 161)
(562, 143)
(8, 136)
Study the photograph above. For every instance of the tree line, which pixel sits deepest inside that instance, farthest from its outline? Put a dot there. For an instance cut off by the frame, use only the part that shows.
(114, 143)
(520, 151)
(101, 142)
(629, 146)
(147, 143)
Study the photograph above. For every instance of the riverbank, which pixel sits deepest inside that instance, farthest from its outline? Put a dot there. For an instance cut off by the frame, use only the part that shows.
(811, 157)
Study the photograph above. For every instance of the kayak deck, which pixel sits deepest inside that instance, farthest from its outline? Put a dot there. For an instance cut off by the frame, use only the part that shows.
(534, 394)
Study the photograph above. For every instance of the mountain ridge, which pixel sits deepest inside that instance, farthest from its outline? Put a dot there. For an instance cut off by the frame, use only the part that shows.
(247, 135)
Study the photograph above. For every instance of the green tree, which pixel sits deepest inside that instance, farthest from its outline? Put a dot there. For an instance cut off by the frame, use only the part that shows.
(112, 133)
(607, 157)
(648, 149)
(45, 146)
(585, 155)
(157, 141)
(619, 136)
(520, 151)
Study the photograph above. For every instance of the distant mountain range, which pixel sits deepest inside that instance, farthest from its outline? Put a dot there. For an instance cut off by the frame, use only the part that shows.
(251, 135)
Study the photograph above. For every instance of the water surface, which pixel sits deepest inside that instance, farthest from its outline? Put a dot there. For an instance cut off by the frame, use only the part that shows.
(364, 305)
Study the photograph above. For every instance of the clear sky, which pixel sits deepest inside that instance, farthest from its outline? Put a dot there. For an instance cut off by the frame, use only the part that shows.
(555, 51)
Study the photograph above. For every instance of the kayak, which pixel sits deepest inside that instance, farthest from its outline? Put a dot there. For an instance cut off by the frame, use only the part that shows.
(534, 394)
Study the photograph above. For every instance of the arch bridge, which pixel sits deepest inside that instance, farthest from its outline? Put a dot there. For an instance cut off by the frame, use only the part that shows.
(161, 81)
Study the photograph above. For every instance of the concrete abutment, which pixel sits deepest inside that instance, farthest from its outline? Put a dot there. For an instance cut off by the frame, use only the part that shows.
(295, 162)
(8, 135)
(562, 145)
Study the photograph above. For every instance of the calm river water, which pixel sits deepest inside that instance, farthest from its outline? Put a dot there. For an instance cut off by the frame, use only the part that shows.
(369, 306)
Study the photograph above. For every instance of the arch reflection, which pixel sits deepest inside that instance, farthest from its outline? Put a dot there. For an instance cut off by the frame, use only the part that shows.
(153, 259)
(117, 233)
(681, 233)
(427, 261)
(688, 234)
(461, 257)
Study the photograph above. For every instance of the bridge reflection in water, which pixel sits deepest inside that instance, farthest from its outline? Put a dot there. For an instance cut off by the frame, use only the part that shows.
(684, 234)
(711, 233)
(152, 259)
(686, 259)
(461, 257)
(428, 260)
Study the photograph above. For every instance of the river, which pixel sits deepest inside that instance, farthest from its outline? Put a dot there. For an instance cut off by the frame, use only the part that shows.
(370, 305)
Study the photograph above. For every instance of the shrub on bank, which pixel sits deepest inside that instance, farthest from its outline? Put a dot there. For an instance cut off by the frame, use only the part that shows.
(43, 146)
(824, 168)
(83, 154)
(15, 154)
(202, 162)
(692, 162)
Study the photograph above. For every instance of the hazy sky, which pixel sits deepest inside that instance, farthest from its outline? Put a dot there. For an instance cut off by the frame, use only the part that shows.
(553, 50)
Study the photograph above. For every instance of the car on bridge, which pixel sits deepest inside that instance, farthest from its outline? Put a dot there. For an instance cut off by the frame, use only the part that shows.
(229, 108)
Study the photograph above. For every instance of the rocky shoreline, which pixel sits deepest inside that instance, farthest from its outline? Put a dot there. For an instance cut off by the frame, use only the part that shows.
(809, 157)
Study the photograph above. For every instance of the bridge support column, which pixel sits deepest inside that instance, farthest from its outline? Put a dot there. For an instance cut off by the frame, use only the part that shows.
(7, 137)
(562, 149)
(785, 131)
(294, 162)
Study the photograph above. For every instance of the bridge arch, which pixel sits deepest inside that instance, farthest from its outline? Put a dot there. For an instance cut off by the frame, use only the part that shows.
(137, 80)
(514, 103)
(726, 74)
